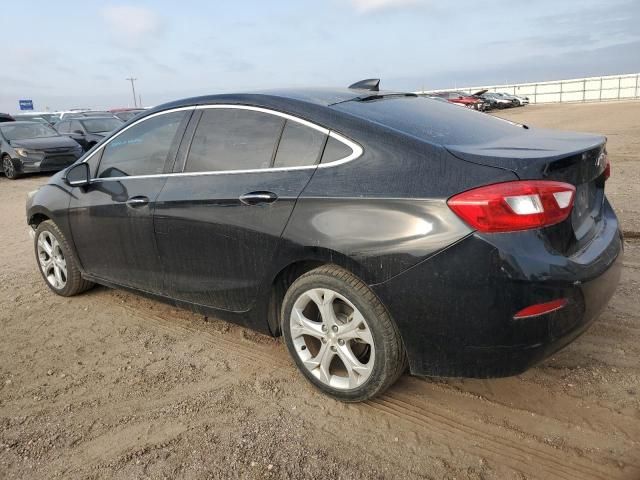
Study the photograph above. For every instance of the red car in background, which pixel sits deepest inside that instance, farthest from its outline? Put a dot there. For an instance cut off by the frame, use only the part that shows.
(464, 99)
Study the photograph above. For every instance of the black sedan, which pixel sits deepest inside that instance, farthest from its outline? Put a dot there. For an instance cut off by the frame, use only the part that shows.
(34, 147)
(88, 131)
(372, 230)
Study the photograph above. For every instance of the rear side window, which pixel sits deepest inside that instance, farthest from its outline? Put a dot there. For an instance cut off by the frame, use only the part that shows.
(142, 149)
(233, 139)
(299, 146)
(335, 150)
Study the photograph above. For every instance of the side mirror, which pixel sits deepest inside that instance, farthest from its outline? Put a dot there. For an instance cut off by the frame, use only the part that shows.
(78, 175)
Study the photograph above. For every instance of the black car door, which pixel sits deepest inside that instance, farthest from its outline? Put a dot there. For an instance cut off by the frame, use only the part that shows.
(112, 219)
(219, 223)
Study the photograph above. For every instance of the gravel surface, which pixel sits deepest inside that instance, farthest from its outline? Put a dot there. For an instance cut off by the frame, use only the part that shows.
(112, 385)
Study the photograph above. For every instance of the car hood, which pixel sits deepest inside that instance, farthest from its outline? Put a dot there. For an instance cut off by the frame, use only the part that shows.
(44, 143)
(529, 153)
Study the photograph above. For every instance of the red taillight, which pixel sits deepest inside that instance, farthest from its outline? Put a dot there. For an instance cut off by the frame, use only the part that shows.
(607, 168)
(511, 206)
(540, 309)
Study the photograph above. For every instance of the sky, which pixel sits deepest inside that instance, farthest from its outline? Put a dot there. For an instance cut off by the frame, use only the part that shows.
(67, 53)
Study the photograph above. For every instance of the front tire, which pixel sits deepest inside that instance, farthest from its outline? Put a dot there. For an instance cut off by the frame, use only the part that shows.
(9, 168)
(57, 262)
(340, 335)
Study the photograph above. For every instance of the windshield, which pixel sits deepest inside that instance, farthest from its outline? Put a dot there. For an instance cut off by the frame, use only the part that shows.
(98, 125)
(22, 131)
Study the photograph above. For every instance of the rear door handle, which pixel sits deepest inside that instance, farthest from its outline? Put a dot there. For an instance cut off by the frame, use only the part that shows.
(139, 201)
(256, 198)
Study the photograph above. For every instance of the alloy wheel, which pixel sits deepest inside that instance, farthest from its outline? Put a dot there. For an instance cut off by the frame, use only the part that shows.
(332, 338)
(52, 260)
(7, 166)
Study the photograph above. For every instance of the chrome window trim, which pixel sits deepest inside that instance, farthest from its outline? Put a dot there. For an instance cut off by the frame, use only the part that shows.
(356, 149)
(264, 110)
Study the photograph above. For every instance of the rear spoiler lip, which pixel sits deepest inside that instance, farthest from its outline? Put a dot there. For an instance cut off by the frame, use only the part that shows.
(526, 163)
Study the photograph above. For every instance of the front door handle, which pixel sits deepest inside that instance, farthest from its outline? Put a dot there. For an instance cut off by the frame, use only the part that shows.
(256, 198)
(139, 201)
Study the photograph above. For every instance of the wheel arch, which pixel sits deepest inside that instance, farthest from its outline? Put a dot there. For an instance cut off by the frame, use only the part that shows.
(290, 272)
(36, 218)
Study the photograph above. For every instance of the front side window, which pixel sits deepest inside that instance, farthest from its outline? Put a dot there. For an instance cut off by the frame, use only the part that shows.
(233, 139)
(299, 146)
(142, 149)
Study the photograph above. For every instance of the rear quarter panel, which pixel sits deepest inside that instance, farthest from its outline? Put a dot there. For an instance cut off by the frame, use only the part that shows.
(386, 210)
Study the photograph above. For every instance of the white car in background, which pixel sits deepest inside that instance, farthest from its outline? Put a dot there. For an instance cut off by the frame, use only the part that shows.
(520, 101)
(523, 100)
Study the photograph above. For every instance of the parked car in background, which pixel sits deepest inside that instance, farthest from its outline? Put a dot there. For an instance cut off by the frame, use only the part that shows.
(50, 118)
(464, 99)
(523, 100)
(63, 114)
(517, 101)
(92, 113)
(88, 131)
(31, 118)
(126, 114)
(5, 117)
(34, 147)
(373, 230)
(499, 99)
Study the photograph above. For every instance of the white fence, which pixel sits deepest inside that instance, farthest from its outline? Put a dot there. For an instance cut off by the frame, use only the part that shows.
(591, 89)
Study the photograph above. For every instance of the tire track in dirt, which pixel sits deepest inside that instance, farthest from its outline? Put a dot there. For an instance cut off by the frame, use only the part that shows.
(218, 340)
(525, 456)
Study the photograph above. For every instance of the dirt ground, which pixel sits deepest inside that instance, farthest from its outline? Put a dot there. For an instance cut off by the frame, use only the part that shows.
(111, 385)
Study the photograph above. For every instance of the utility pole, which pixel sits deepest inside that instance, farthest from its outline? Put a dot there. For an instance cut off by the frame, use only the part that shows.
(133, 88)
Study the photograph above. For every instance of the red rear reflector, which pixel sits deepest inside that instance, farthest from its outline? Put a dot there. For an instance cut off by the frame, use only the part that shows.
(511, 206)
(540, 309)
(607, 168)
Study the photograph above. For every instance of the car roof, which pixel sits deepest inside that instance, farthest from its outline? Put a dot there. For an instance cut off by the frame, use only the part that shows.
(323, 97)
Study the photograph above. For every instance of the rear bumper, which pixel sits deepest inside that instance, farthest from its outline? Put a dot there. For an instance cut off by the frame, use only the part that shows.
(461, 323)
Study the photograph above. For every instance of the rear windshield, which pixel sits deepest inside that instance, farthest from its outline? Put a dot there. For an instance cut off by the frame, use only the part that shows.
(99, 125)
(437, 122)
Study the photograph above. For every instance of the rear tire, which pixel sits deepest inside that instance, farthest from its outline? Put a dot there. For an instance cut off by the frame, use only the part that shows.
(9, 168)
(57, 262)
(340, 335)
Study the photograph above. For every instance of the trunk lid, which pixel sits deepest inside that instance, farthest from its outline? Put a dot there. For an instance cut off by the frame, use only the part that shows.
(538, 154)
